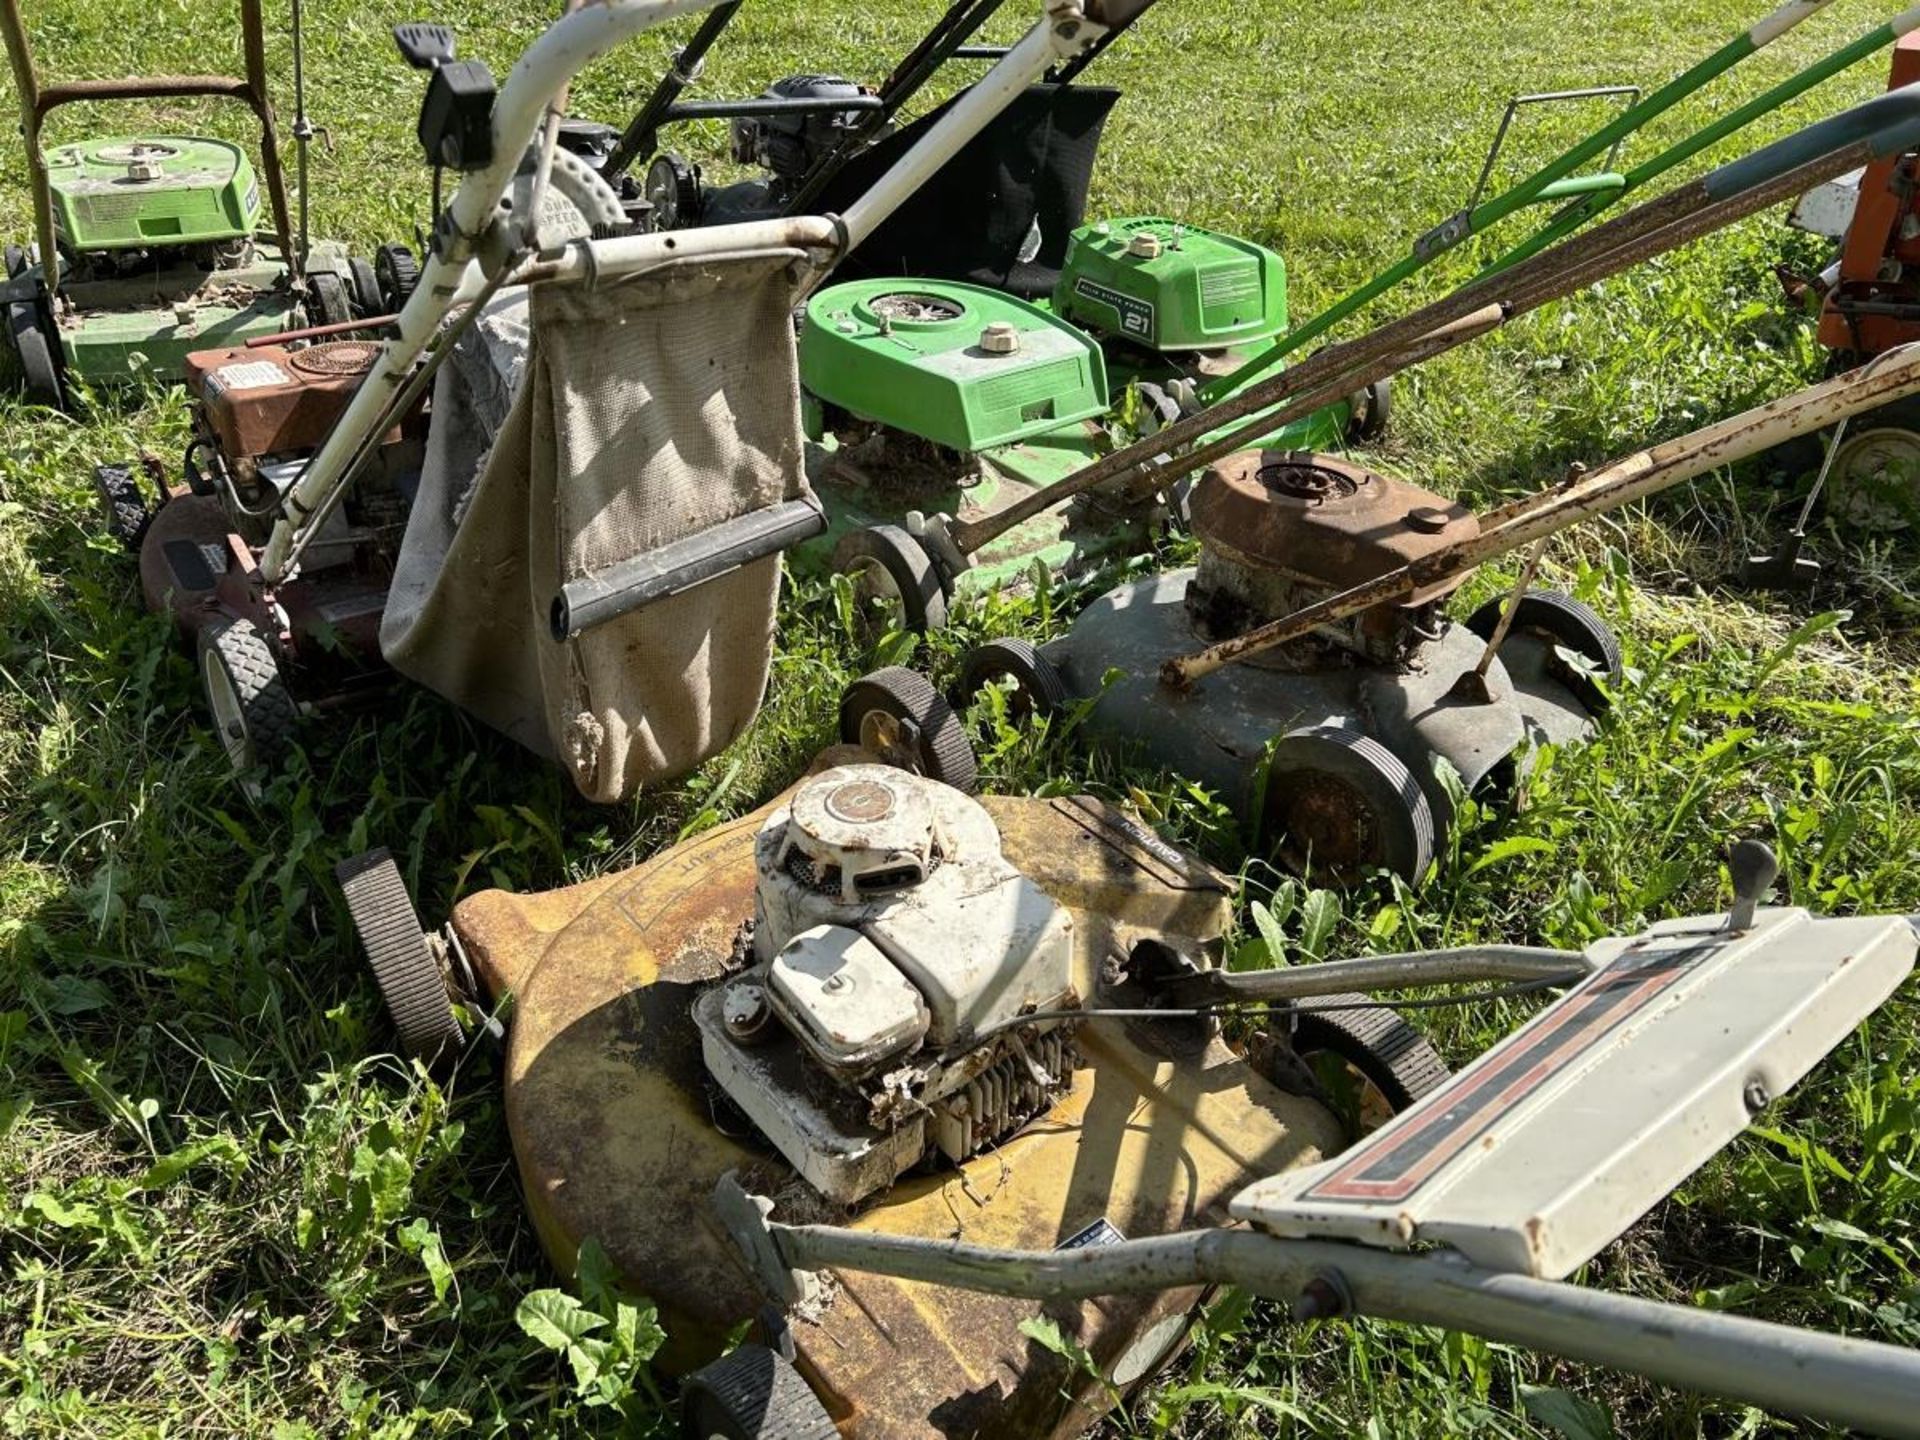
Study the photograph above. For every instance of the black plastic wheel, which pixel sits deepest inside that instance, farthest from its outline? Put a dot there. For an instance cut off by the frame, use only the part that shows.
(1037, 686)
(1340, 804)
(752, 1394)
(900, 717)
(15, 260)
(895, 584)
(1563, 621)
(122, 503)
(1370, 410)
(365, 287)
(397, 273)
(1393, 1062)
(327, 300)
(253, 711)
(403, 963)
(672, 187)
(36, 347)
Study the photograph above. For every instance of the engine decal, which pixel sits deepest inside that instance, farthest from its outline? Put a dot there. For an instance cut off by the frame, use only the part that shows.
(1101, 1232)
(1136, 315)
(1460, 1113)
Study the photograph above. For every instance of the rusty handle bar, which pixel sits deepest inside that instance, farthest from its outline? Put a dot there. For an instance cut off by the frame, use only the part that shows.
(1892, 377)
(1859, 1383)
(1887, 124)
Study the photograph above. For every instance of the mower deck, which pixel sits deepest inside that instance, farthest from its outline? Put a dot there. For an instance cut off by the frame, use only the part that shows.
(620, 1134)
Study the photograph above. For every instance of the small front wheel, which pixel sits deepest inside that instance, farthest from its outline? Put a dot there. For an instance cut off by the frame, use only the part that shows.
(900, 717)
(1035, 686)
(1564, 622)
(253, 711)
(401, 957)
(1340, 804)
(1371, 1063)
(752, 1394)
(895, 584)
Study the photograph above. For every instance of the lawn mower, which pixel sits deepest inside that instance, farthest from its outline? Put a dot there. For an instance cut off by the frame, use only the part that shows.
(1505, 1179)
(940, 409)
(1329, 578)
(865, 993)
(977, 1044)
(149, 247)
(644, 477)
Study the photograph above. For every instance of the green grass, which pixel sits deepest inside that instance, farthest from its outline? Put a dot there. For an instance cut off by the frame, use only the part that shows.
(222, 1211)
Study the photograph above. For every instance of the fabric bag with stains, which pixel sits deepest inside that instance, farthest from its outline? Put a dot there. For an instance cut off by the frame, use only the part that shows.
(641, 413)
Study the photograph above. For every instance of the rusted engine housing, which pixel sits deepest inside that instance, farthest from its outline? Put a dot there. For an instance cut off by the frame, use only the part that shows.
(1281, 529)
(258, 403)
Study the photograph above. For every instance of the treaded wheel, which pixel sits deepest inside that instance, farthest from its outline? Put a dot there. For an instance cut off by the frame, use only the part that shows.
(1564, 621)
(398, 273)
(36, 349)
(1370, 410)
(894, 580)
(752, 1394)
(253, 712)
(122, 503)
(366, 288)
(15, 259)
(900, 717)
(327, 301)
(1038, 688)
(1395, 1063)
(1341, 804)
(403, 963)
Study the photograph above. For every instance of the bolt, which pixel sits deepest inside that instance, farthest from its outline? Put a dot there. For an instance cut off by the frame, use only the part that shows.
(1757, 1095)
(744, 1011)
(834, 983)
(1427, 519)
(1326, 1297)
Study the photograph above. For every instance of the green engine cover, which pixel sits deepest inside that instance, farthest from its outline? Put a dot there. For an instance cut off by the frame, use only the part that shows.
(1169, 286)
(910, 354)
(133, 192)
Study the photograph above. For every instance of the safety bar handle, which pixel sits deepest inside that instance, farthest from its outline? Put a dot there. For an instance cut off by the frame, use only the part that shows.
(1888, 125)
(605, 595)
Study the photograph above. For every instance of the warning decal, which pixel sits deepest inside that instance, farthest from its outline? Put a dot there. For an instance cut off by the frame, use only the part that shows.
(1410, 1155)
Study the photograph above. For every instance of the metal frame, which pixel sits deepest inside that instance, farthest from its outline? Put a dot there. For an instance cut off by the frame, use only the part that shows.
(478, 247)
(38, 101)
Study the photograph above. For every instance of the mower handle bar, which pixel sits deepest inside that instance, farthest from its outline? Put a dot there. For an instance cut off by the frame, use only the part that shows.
(1852, 1382)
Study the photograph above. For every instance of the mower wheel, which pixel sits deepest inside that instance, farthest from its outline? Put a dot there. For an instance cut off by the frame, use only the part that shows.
(402, 961)
(125, 507)
(1875, 482)
(366, 288)
(1563, 621)
(327, 302)
(1393, 1064)
(752, 1394)
(900, 717)
(36, 346)
(1370, 410)
(16, 260)
(397, 272)
(894, 581)
(253, 712)
(1037, 686)
(1342, 804)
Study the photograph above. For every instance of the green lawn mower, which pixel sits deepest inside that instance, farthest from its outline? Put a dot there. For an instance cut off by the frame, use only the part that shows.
(150, 246)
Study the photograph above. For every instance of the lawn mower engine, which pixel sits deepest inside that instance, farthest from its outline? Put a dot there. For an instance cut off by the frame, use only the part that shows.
(1327, 747)
(787, 144)
(895, 950)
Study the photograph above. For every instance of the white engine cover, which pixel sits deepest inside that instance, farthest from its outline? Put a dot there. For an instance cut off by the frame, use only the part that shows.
(977, 939)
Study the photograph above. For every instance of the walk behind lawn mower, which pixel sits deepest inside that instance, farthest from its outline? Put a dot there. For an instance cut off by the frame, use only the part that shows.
(149, 247)
(648, 468)
(1333, 683)
(941, 396)
(972, 1048)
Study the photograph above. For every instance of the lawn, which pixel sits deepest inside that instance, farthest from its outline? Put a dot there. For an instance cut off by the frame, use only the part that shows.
(225, 1211)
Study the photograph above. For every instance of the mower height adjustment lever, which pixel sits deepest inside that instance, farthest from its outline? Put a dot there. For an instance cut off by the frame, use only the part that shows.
(424, 46)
